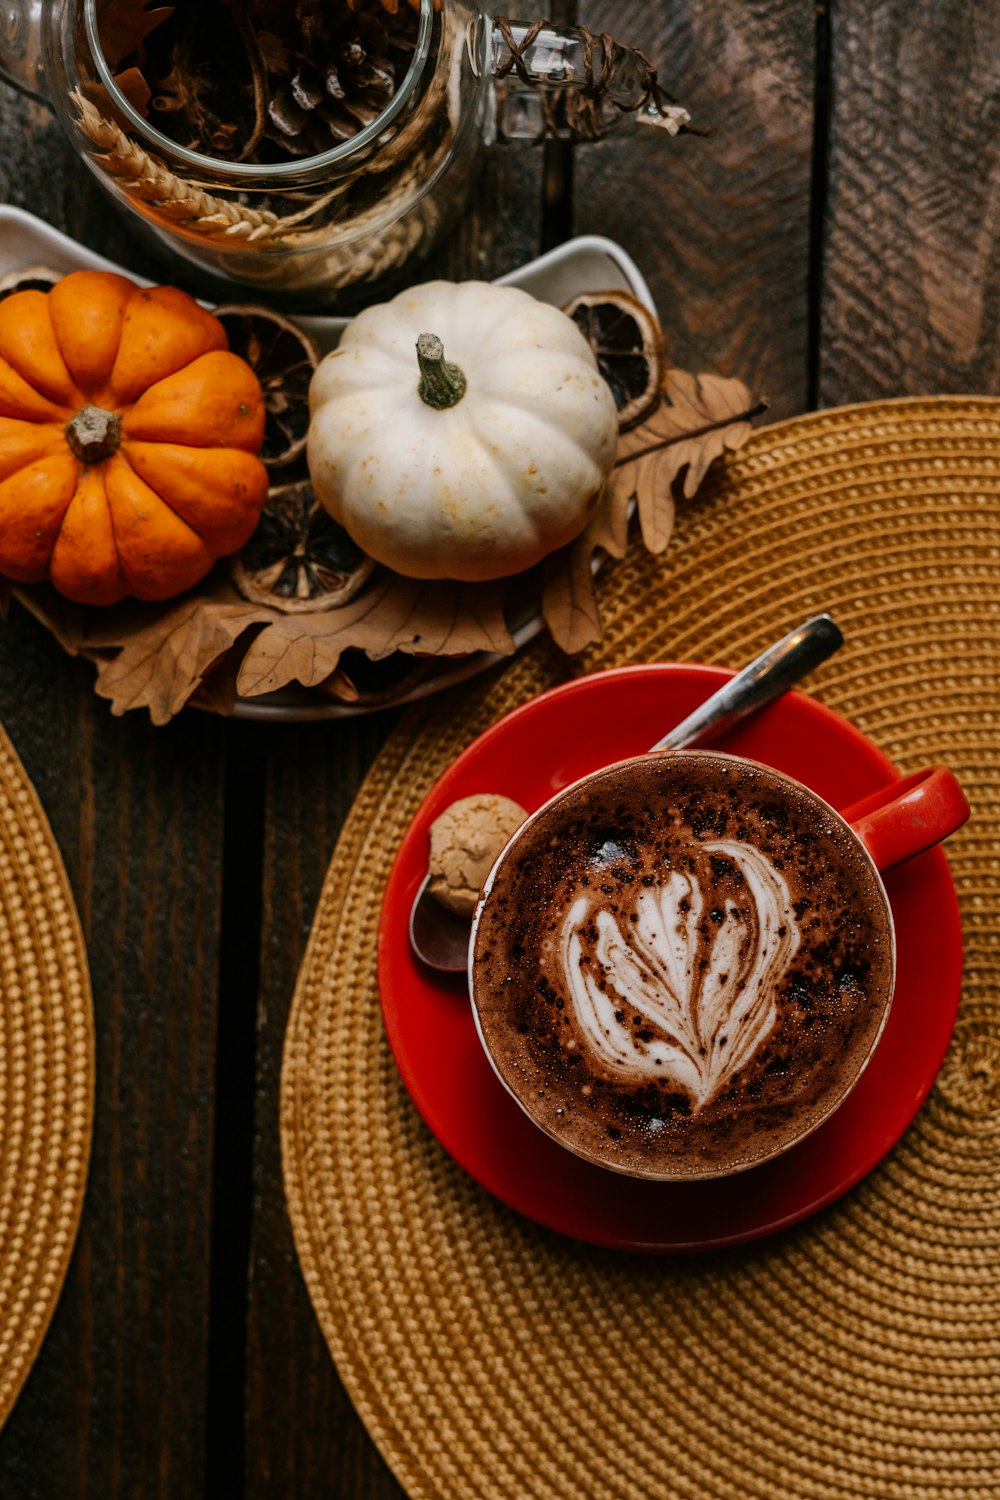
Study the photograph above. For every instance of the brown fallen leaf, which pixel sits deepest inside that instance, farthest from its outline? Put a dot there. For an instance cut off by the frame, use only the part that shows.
(217, 690)
(123, 24)
(132, 85)
(166, 650)
(698, 419)
(569, 599)
(390, 614)
(608, 527)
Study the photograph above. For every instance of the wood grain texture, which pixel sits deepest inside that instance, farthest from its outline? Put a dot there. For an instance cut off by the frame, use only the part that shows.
(912, 257)
(719, 226)
(303, 1437)
(115, 1404)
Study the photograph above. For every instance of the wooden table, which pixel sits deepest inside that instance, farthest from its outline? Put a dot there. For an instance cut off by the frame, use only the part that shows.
(835, 240)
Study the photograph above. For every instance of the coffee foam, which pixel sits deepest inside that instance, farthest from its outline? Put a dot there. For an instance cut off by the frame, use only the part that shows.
(678, 966)
(709, 1003)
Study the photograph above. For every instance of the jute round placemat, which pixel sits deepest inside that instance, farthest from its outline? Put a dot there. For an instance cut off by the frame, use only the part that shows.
(856, 1355)
(46, 1074)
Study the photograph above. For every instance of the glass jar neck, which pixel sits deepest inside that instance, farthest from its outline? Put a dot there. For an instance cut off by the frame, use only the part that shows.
(339, 159)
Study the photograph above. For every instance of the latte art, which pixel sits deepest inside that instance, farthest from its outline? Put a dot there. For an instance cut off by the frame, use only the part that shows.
(655, 998)
(681, 964)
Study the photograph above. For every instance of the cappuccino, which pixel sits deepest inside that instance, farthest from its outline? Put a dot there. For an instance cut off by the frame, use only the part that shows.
(681, 965)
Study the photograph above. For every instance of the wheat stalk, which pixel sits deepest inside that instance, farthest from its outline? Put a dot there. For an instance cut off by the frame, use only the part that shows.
(157, 185)
(187, 202)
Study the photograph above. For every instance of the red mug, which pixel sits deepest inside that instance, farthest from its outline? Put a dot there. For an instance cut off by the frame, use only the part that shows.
(892, 825)
(906, 817)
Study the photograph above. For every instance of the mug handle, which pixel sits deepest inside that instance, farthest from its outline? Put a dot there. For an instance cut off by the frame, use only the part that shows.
(908, 816)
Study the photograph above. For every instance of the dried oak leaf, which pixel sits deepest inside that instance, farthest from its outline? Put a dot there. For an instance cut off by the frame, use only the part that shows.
(569, 600)
(135, 89)
(167, 650)
(699, 417)
(390, 614)
(123, 25)
(569, 603)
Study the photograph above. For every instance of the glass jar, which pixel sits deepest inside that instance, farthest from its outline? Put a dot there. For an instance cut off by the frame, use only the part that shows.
(316, 225)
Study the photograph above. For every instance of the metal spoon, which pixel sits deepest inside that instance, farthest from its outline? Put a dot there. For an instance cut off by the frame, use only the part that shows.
(440, 939)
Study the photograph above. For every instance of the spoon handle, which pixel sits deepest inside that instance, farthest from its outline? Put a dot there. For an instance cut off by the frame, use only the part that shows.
(779, 668)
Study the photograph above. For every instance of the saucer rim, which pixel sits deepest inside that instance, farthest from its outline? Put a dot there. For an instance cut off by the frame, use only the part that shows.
(934, 865)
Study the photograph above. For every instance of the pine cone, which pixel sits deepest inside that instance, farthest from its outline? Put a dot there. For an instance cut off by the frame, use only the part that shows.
(302, 77)
(332, 70)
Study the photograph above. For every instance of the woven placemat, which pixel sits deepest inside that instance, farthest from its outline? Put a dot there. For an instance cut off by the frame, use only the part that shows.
(856, 1355)
(46, 1074)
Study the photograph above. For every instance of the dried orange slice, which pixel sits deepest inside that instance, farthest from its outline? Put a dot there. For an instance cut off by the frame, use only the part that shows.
(299, 558)
(627, 340)
(283, 357)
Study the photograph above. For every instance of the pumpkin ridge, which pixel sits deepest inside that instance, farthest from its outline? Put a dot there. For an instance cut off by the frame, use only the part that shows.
(223, 517)
(20, 448)
(87, 312)
(24, 519)
(494, 383)
(67, 578)
(155, 568)
(150, 484)
(216, 401)
(29, 345)
(491, 317)
(163, 332)
(511, 459)
(101, 469)
(162, 499)
(22, 402)
(454, 521)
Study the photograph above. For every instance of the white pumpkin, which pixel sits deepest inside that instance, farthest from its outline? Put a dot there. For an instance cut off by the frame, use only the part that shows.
(473, 466)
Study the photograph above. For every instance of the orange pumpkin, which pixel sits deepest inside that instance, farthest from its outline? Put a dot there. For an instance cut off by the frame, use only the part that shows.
(129, 437)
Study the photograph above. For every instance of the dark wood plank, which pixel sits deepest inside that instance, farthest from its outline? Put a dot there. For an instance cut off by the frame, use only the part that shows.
(303, 1438)
(115, 1406)
(912, 257)
(720, 227)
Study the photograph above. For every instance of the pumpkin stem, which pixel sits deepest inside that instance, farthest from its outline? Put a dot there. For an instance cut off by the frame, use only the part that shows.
(94, 433)
(441, 384)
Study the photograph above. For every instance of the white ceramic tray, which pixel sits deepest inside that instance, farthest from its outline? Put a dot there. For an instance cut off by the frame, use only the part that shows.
(588, 263)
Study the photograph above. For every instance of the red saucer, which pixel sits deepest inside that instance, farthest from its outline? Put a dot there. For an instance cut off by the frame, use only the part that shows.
(528, 755)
